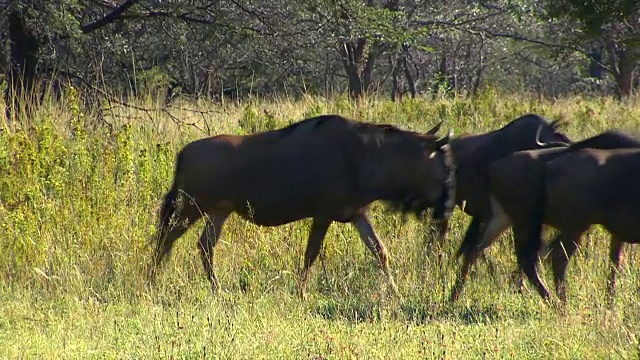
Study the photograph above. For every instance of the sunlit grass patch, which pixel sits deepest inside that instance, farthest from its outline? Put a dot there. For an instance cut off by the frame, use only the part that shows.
(80, 190)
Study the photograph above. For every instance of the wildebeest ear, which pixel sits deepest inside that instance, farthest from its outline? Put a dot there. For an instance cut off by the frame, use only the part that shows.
(558, 124)
(444, 140)
(434, 130)
(440, 144)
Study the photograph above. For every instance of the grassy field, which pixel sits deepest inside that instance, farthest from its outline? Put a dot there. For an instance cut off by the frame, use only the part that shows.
(80, 187)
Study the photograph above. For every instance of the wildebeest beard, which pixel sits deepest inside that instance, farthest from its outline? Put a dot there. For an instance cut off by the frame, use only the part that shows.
(408, 204)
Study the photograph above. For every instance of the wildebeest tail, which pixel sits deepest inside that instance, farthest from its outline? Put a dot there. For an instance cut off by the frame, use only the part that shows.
(168, 208)
(169, 205)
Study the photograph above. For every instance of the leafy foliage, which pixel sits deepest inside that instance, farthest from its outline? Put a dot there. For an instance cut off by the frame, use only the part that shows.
(242, 48)
(595, 15)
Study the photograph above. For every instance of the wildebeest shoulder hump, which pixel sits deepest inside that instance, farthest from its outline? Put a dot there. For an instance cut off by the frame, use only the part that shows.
(313, 123)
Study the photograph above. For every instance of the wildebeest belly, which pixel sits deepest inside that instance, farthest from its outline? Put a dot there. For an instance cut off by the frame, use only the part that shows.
(276, 201)
(276, 186)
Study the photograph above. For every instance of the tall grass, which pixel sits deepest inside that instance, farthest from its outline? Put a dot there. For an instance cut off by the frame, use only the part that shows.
(79, 192)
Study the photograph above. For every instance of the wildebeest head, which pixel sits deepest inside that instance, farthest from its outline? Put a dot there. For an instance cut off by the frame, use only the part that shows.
(548, 134)
(532, 131)
(433, 176)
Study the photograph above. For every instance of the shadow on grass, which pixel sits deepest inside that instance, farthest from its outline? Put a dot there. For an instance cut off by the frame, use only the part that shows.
(366, 310)
(357, 310)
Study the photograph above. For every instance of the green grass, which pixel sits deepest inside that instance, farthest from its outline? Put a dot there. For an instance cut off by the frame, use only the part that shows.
(78, 198)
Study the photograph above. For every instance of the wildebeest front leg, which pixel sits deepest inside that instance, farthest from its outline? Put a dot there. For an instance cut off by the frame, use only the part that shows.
(373, 243)
(472, 249)
(314, 244)
(207, 242)
(614, 257)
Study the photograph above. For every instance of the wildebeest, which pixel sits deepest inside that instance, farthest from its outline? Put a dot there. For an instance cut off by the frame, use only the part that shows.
(328, 168)
(474, 152)
(587, 187)
(525, 192)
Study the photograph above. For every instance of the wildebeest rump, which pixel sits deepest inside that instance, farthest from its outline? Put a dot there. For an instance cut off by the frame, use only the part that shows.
(516, 185)
(583, 188)
(328, 168)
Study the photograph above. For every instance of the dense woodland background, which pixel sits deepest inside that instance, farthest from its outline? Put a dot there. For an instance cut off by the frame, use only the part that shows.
(235, 48)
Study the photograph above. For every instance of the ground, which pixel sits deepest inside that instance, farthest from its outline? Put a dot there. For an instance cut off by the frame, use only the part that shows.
(78, 200)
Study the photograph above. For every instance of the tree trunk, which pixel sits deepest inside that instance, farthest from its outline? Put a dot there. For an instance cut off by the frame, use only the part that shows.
(478, 78)
(396, 93)
(624, 77)
(358, 69)
(622, 61)
(367, 73)
(22, 66)
(351, 56)
(407, 72)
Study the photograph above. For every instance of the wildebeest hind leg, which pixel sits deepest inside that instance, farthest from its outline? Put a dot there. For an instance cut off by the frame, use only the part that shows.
(527, 251)
(562, 249)
(314, 244)
(614, 256)
(373, 243)
(207, 242)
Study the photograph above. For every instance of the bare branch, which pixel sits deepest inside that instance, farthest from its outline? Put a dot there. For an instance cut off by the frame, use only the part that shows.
(111, 17)
(544, 43)
(162, 14)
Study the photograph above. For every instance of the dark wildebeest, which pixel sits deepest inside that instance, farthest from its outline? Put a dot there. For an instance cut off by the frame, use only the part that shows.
(587, 187)
(473, 154)
(522, 190)
(328, 168)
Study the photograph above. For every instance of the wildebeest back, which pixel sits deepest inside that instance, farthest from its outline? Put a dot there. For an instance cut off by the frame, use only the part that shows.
(297, 172)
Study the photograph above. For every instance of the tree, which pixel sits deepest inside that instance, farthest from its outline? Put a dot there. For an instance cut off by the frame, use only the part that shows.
(35, 26)
(268, 47)
(612, 27)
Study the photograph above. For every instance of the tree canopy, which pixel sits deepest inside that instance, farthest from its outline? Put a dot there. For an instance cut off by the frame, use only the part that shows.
(234, 48)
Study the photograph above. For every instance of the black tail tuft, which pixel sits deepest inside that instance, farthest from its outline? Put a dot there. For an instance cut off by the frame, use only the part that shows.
(167, 210)
(169, 206)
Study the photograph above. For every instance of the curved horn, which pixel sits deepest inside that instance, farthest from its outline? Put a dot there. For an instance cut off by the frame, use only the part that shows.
(549, 144)
(445, 140)
(538, 142)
